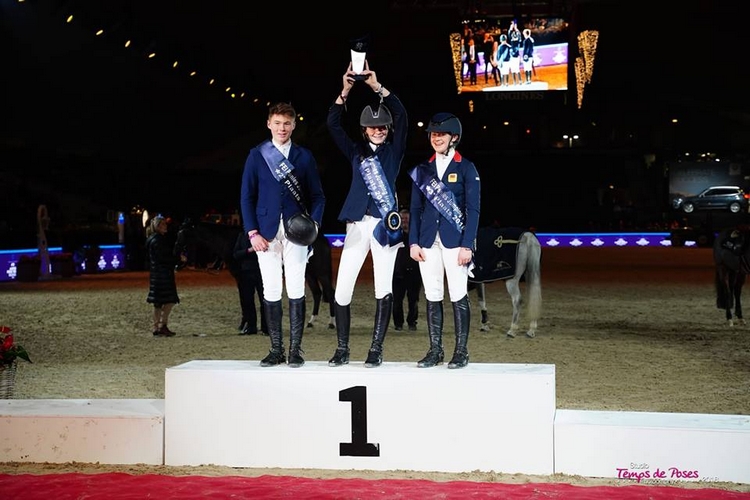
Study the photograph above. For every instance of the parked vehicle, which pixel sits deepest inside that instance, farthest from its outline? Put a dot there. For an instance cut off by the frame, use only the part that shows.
(730, 198)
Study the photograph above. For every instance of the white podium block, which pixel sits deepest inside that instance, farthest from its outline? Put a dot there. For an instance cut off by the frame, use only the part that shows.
(653, 447)
(107, 431)
(486, 417)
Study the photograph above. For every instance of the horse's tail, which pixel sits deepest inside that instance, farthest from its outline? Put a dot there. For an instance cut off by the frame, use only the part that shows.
(722, 294)
(534, 276)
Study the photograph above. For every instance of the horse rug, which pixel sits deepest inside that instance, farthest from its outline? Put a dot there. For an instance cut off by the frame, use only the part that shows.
(497, 249)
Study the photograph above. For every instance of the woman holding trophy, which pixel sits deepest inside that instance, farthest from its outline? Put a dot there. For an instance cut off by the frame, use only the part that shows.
(370, 210)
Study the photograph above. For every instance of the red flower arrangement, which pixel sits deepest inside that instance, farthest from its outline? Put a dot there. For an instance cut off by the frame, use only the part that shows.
(9, 350)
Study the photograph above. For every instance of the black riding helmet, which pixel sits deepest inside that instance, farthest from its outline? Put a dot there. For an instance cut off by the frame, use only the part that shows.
(446, 123)
(380, 118)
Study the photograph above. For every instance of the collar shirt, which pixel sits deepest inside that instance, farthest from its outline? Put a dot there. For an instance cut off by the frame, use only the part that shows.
(442, 162)
(284, 148)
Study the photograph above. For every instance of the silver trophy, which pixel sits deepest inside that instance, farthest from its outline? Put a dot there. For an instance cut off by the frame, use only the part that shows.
(358, 50)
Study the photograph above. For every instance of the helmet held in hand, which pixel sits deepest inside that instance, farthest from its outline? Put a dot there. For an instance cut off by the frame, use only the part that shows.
(300, 229)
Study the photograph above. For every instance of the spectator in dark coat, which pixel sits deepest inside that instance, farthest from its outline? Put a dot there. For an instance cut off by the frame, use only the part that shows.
(162, 291)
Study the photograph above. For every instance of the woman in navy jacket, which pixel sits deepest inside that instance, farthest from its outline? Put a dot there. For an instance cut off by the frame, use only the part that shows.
(369, 208)
(444, 217)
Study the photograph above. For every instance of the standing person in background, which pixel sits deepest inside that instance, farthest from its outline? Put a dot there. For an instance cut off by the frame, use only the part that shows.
(162, 290)
(502, 59)
(472, 56)
(407, 283)
(249, 281)
(281, 181)
(488, 49)
(372, 224)
(514, 40)
(528, 55)
(442, 234)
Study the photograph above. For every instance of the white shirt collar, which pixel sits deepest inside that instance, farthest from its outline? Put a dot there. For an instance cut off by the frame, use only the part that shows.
(284, 148)
(442, 161)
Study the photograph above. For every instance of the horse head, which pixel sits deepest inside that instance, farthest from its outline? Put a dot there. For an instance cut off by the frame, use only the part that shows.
(184, 233)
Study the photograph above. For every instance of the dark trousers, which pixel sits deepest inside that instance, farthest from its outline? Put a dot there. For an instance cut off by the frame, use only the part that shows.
(248, 284)
(473, 73)
(409, 287)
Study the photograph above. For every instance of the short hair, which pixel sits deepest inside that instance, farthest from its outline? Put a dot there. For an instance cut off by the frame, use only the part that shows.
(282, 108)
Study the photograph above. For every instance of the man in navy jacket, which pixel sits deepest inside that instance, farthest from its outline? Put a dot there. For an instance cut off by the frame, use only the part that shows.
(280, 180)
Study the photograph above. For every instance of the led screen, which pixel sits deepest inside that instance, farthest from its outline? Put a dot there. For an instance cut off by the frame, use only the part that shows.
(498, 54)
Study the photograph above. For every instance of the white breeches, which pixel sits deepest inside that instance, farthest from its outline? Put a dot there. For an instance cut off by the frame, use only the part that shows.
(358, 242)
(441, 263)
(515, 64)
(283, 261)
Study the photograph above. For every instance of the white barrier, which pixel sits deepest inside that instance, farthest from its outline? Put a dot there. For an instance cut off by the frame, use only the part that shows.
(487, 417)
(653, 447)
(107, 431)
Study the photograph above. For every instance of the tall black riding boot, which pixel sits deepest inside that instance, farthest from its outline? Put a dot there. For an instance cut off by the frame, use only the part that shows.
(296, 327)
(383, 310)
(343, 323)
(462, 318)
(435, 355)
(273, 318)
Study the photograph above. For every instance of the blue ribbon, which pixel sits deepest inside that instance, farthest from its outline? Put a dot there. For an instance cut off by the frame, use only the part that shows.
(277, 163)
(281, 168)
(380, 191)
(438, 194)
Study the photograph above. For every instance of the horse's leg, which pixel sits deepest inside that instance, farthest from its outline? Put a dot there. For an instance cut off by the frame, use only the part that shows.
(328, 297)
(514, 290)
(331, 316)
(722, 278)
(481, 299)
(317, 294)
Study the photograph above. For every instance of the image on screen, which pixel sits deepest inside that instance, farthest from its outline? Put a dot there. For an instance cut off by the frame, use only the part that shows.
(497, 54)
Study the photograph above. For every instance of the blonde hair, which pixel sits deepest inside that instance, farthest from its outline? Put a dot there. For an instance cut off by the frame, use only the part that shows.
(153, 225)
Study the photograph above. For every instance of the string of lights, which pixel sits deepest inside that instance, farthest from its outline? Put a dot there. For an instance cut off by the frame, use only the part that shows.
(584, 64)
(114, 32)
(455, 41)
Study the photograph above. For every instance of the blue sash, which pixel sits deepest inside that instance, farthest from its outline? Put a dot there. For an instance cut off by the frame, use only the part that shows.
(380, 191)
(438, 194)
(279, 166)
(281, 169)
